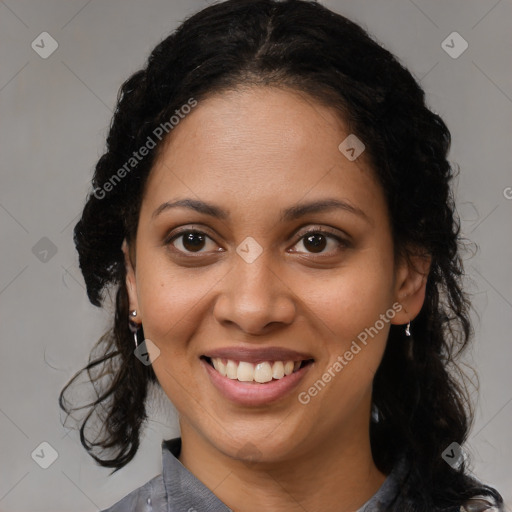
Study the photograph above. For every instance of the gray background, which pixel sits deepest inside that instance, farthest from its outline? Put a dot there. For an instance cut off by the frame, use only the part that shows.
(55, 113)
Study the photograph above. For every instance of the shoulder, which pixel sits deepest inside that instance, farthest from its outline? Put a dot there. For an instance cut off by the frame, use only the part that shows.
(488, 498)
(404, 495)
(483, 504)
(152, 493)
(476, 504)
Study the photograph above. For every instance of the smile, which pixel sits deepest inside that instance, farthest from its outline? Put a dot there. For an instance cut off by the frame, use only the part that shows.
(261, 372)
(258, 382)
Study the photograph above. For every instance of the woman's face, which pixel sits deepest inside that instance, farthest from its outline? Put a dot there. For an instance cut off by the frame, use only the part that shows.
(253, 286)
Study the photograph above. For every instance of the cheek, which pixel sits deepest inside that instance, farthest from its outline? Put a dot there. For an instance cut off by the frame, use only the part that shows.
(172, 299)
(351, 299)
(349, 311)
(352, 308)
(172, 303)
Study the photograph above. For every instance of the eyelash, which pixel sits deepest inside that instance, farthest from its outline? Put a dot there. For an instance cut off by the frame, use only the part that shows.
(343, 243)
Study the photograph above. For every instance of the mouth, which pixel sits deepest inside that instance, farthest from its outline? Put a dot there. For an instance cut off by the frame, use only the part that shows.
(256, 376)
(260, 372)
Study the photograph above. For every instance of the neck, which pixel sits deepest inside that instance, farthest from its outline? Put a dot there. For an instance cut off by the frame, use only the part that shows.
(335, 475)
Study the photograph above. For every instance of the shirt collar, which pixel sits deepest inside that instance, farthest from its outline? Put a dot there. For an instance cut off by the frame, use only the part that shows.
(184, 490)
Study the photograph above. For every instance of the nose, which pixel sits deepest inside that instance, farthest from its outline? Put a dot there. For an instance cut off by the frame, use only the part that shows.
(255, 298)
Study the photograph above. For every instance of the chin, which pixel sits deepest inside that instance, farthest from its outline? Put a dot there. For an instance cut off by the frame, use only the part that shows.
(258, 447)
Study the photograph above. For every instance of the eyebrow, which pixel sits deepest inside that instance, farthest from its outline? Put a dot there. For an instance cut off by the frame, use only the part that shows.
(292, 213)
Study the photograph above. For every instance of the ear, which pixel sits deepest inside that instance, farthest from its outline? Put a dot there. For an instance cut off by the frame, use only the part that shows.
(131, 285)
(410, 285)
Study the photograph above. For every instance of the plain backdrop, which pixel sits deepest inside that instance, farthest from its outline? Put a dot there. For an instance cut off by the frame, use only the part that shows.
(55, 113)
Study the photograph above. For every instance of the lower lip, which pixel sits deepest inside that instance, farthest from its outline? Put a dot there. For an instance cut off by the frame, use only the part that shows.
(254, 393)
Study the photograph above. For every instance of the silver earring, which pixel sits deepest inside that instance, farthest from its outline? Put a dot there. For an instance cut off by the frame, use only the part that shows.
(375, 416)
(134, 328)
(408, 329)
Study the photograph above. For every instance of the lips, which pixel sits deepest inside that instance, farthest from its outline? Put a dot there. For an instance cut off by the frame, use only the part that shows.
(255, 376)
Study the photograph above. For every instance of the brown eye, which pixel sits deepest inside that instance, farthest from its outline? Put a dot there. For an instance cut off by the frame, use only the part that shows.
(316, 241)
(191, 241)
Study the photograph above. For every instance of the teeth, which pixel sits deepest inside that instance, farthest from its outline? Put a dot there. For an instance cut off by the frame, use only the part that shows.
(231, 369)
(278, 370)
(263, 372)
(221, 367)
(245, 372)
(248, 372)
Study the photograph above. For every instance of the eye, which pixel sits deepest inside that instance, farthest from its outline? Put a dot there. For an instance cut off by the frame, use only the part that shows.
(316, 241)
(190, 241)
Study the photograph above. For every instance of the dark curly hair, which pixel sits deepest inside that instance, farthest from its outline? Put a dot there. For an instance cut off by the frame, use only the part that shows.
(300, 45)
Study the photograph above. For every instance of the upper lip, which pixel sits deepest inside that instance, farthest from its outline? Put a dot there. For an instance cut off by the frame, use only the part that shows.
(259, 354)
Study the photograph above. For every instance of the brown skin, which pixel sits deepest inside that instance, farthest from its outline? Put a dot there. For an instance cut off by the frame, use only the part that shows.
(254, 152)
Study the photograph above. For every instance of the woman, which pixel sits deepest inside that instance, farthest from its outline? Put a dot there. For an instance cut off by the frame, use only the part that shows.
(274, 211)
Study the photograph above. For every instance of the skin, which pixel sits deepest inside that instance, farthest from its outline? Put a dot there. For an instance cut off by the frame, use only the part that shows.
(253, 152)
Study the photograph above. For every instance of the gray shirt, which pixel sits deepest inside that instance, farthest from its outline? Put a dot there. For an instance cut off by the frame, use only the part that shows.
(178, 490)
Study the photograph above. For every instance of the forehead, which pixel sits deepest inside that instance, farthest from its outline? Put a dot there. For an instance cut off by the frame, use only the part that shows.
(260, 147)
